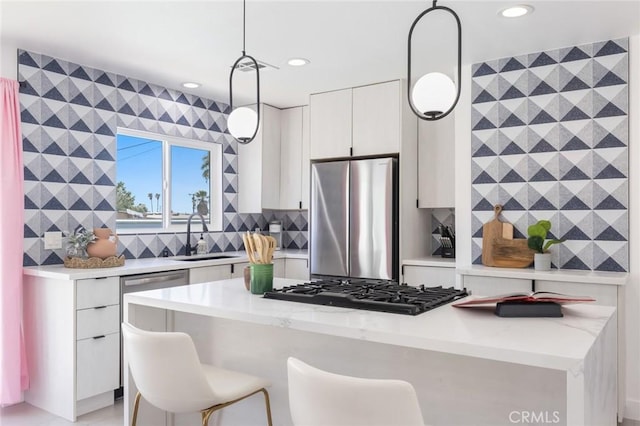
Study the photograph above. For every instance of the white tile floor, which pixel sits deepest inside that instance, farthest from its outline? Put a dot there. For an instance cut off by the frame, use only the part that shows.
(27, 415)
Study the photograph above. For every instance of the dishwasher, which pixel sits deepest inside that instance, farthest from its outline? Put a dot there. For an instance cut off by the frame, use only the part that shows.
(143, 282)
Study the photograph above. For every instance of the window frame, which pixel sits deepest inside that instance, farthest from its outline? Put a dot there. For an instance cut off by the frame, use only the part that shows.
(215, 181)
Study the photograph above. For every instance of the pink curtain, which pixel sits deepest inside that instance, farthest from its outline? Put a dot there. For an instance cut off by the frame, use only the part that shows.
(13, 366)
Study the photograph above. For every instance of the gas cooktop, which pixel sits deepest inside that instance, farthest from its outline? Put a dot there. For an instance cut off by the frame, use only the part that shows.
(373, 295)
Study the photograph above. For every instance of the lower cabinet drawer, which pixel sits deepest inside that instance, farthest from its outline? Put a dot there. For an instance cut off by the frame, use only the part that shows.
(97, 321)
(97, 365)
(92, 292)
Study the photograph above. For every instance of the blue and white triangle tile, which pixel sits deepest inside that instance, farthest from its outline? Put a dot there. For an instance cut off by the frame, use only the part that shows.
(611, 256)
(77, 218)
(611, 225)
(53, 220)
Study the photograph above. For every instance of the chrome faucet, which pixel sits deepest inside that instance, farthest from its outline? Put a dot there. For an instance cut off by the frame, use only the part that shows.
(188, 248)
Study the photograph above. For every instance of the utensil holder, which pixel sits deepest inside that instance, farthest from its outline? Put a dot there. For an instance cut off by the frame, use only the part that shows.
(261, 278)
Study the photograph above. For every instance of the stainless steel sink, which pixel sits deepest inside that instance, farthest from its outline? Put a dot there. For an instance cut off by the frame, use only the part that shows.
(203, 257)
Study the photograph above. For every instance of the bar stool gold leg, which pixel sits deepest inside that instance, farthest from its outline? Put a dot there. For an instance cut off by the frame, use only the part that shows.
(136, 404)
(268, 404)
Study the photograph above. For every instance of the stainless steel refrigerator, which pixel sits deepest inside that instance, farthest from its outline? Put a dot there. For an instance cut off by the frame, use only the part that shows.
(354, 218)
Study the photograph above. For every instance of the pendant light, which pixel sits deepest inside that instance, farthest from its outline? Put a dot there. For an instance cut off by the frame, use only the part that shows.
(243, 122)
(434, 95)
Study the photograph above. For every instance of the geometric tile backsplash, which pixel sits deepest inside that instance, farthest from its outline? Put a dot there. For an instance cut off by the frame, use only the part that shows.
(69, 116)
(550, 141)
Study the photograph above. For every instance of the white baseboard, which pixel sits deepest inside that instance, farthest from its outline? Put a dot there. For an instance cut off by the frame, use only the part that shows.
(632, 409)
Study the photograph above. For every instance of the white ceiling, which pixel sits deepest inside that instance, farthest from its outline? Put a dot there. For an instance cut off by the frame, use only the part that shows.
(349, 43)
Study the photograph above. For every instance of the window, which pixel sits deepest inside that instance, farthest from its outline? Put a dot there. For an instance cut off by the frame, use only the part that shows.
(162, 180)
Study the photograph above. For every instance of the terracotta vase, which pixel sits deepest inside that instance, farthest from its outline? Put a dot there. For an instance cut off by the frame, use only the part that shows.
(105, 245)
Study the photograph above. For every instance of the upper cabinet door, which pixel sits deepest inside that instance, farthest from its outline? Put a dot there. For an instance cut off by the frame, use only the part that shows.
(259, 166)
(330, 119)
(436, 163)
(291, 139)
(306, 166)
(376, 119)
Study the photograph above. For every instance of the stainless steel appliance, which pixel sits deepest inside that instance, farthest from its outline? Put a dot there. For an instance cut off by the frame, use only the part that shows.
(354, 218)
(150, 281)
(372, 295)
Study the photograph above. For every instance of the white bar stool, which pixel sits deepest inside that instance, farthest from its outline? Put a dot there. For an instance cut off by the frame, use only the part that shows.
(320, 398)
(166, 368)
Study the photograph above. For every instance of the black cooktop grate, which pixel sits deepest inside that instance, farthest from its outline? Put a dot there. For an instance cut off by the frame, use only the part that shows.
(373, 295)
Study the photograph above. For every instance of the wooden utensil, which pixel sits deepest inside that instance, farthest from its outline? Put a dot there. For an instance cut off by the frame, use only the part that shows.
(272, 246)
(490, 231)
(257, 243)
(248, 244)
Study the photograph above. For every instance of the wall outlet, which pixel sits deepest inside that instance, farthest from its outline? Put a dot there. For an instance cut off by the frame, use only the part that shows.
(52, 240)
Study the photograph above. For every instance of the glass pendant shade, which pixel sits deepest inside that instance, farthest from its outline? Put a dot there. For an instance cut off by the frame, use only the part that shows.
(242, 123)
(433, 94)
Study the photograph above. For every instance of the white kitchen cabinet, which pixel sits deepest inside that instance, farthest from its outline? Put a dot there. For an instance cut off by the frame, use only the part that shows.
(98, 336)
(98, 365)
(436, 163)
(429, 276)
(361, 121)
(376, 119)
(297, 269)
(259, 166)
(209, 273)
(237, 270)
(330, 124)
(491, 286)
(306, 165)
(72, 343)
(205, 274)
(294, 160)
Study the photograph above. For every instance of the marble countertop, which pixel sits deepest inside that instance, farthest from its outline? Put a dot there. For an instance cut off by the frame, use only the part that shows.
(143, 266)
(557, 343)
(437, 261)
(564, 275)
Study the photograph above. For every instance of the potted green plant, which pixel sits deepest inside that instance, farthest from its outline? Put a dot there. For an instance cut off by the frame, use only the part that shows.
(78, 241)
(536, 241)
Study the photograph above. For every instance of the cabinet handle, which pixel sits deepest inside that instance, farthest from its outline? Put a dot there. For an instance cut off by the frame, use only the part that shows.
(98, 337)
(300, 205)
(101, 278)
(232, 268)
(100, 307)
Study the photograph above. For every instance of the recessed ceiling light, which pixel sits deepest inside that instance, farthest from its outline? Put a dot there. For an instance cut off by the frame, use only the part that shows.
(190, 85)
(516, 11)
(298, 62)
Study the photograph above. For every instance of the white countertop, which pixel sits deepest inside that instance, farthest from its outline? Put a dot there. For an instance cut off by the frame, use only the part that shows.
(437, 261)
(557, 343)
(562, 275)
(143, 266)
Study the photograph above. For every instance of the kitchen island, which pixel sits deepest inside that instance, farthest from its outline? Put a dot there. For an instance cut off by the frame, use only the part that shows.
(467, 365)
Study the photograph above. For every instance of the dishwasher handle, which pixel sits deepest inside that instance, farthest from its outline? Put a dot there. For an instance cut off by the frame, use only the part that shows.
(154, 279)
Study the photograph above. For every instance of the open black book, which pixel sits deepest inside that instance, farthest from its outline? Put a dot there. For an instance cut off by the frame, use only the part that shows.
(538, 296)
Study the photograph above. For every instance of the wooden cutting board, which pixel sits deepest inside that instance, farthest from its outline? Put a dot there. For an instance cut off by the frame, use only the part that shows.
(491, 231)
(510, 253)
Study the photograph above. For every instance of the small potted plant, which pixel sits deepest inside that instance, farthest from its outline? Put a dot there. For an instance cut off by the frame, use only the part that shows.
(536, 241)
(78, 241)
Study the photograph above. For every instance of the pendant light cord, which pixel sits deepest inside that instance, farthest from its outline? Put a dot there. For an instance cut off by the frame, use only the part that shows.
(244, 18)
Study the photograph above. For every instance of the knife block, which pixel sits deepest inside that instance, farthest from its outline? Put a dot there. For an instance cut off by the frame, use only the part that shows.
(449, 253)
